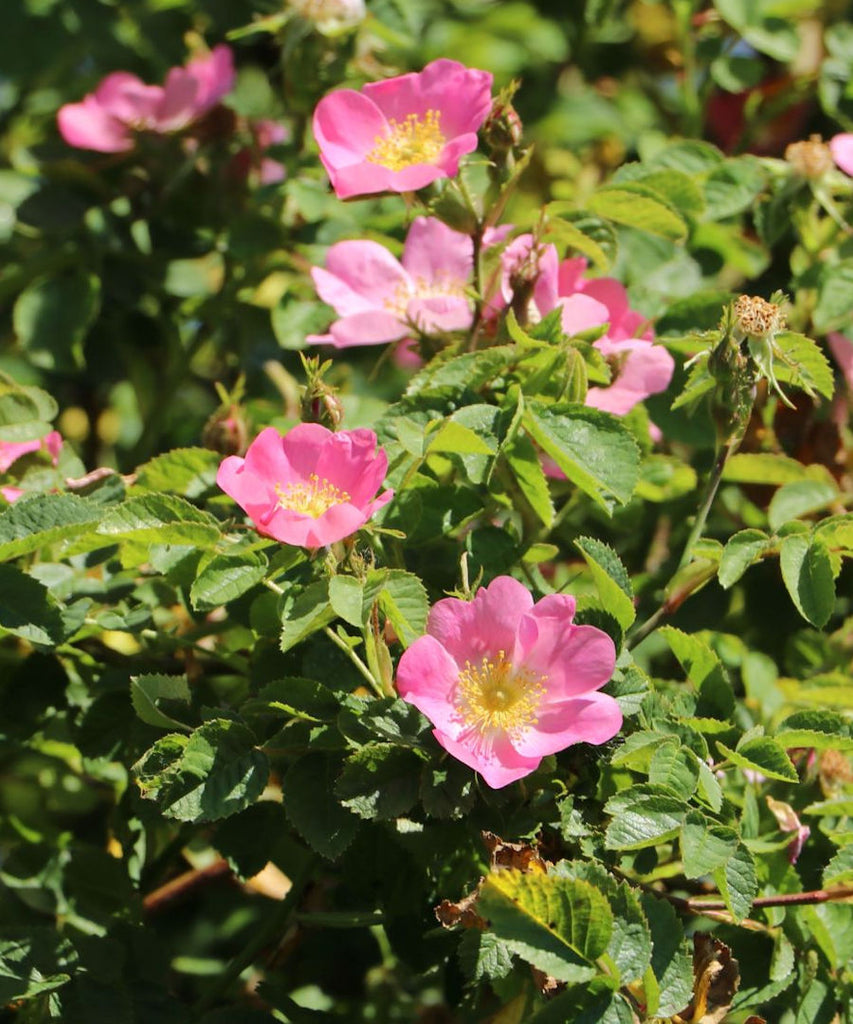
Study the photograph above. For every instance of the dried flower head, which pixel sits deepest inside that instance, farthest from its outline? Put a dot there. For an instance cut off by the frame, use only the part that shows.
(757, 318)
(810, 158)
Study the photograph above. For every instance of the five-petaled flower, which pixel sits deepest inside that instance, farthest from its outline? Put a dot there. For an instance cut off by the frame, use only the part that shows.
(506, 681)
(106, 119)
(379, 299)
(310, 487)
(403, 133)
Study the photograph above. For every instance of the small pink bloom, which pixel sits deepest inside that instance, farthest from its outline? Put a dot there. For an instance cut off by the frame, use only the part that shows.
(786, 818)
(122, 104)
(11, 451)
(506, 681)
(841, 147)
(401, 134)
(310, 487)
(380, 299)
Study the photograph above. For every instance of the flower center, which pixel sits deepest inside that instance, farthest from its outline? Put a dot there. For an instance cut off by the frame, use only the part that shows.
(311, 497)
(495, 696)
(440, 286)
(413, 141)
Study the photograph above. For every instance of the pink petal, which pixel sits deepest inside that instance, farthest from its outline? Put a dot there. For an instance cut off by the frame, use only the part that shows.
(266, 458)
(361, 275)
(426, 677)
(494, 757)
(254, 494)
(302, 448)
(446, 165)
(580, 313)
(841, 147)
(128, 98)
(440, 313)
(842, 348)
(484, 626)
(334, 524)
(87, 125)
(214, 74)
(179, 105)
(351, 462)
(595, 718)
(610, 293)
(370, 328)
(646, 371)
(346, 127)
(433, 251)
(358, 179)
(571, 275)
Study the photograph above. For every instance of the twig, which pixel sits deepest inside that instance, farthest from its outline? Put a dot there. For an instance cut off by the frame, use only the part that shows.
(183, 885)
(787, 899)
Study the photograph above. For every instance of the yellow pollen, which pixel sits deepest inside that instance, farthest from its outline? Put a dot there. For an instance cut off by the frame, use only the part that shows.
(496, 696)
(442, 285)
(414, 140)
(311, 498)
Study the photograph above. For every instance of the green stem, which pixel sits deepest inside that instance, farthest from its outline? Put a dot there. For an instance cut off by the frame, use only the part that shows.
(274, 926)
(710, 493)
(690, 101)
(375, 685)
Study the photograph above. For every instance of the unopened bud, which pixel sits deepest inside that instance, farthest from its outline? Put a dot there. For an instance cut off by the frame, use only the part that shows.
(502, 129)
(226, 432)
(811, 158)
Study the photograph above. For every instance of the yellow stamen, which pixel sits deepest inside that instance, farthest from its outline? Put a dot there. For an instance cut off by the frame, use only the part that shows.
(413, 141)
(312, 498)
(494, 695)
(442, 285)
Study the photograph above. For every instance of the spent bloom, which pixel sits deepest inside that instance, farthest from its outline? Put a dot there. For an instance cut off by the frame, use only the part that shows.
(380, 299)
(310, 487)
(506, 682)
(106, 119)
(403, 133)
(11, 451)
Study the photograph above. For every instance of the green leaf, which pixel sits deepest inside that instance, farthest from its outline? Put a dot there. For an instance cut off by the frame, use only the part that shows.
(26, 608)
(190, 472)
(592, 448)
(454, 438)
(147, 690)
(198, 277)
(763, 755)
(664, 478)
(643, 816)
(307, 792)
(379, 781)
(799, 498)
(832, 312)
(821, 730)
(224, 578)
(404, 602)
(560, 925)
(800, 362)
(733, 187)
(346, 596)
(705, 846)
(483, 956)
(159, 519)
(839, 870)
(295, 697)
(52, 317)
(526, 466)
(640, 208)
(808, 576)
(737, 882)
(35, 523)
(611, 579)
(703, 668)
(674, 767)
(220, 771)
(33, 961)
(767, 468)
(304, 614)
(670, 980)
(742, 550)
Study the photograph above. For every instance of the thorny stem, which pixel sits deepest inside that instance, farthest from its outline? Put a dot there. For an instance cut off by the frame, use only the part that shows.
(786, 899)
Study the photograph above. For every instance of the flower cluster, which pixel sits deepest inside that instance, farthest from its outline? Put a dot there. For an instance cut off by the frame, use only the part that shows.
(506, 682)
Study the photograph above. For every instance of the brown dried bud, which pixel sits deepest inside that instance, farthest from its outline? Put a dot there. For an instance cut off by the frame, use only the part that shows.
(226, 431)
(757, 318)
(811, 158)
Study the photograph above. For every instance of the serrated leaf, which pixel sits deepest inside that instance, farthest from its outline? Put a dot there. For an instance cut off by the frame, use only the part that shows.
(453, 376)
(44, 519)
(526, 466)
(189, 472)
(672, 962)
(611, 578)
(404, 602)
(799, 361)
(704, 670)
(674, 767)
(26, 608)
(737, 882)
(820, 730)
(33, 961)
(559, 925)
(346, 596)
(224, 578)
(808, 576)
(800, 498)
(379, 781)
(147, 690)
(310, 804)
(304, 614)
(839, 870)
(742, 550)
(220, 771)
(640, 209)
(768, 468)
(593, 449)
(643, 816)
(159, 519)
(763, 755)
(705, 846)
(483, 956)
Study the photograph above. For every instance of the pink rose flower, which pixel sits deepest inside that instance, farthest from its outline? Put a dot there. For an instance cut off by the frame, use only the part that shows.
(122, 104)
(310, 487)
(401, 134)
(11, 451)
(506, 682)
(380, 299)
(841, 147)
